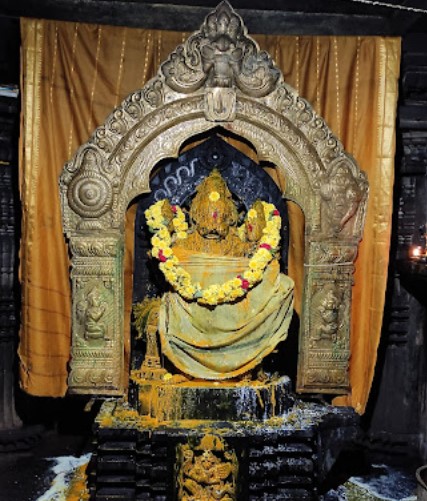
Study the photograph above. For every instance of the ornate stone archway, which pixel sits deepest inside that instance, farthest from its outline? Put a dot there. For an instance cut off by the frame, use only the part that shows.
(218, 77)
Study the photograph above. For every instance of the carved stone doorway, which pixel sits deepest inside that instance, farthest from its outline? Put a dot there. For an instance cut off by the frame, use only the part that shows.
(217, 77)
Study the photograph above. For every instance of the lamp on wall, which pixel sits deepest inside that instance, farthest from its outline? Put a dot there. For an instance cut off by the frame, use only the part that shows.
(414, 267)
(418, 253)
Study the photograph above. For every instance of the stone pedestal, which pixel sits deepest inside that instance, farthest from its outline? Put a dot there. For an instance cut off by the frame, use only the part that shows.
(287, 457)
(215, 401)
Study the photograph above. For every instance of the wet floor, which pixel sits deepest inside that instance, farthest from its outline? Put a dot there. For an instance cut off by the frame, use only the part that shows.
(27, 475)
(43, 474)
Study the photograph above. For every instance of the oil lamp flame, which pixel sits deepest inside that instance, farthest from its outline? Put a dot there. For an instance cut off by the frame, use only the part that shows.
(416, 252)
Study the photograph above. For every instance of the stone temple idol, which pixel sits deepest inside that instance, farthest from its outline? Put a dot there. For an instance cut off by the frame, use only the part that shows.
(206, 409)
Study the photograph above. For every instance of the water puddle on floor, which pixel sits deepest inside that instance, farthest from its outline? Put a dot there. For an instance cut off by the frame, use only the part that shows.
(382, 483)
(66, 470)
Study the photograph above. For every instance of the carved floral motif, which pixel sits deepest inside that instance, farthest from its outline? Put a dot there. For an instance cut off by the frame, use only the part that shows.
(327, 377)
(331, 253)
(100, 248)
(98, 377)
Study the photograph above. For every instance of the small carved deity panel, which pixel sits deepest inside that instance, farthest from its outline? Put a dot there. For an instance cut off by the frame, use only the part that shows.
(327, 317)
(91, 315)
(206, 471)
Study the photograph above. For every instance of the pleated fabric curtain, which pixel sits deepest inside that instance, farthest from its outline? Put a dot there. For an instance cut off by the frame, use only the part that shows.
(74, 74)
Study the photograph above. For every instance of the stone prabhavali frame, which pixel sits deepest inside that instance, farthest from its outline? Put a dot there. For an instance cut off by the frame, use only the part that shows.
(218, 76)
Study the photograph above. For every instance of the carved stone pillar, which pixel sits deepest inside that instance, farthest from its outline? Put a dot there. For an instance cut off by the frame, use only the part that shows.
(326, 330)
(97, 353)
(8, 318)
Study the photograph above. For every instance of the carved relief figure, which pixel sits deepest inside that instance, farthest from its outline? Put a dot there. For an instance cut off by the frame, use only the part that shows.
(342, 196)
(207, 472)
(329, 313)
(229, 305)
(90, 313)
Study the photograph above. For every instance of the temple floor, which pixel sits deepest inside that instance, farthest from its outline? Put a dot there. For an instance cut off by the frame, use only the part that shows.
(28, 475)
(53, 471)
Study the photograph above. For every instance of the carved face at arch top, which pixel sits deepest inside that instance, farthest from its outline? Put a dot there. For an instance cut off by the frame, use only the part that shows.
(219, 76)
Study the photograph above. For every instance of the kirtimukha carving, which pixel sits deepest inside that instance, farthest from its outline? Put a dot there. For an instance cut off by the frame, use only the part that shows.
(206, 471)
(219, 76)
(221, 55)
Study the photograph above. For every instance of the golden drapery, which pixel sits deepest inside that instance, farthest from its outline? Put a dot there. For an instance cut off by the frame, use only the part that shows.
(73, 75)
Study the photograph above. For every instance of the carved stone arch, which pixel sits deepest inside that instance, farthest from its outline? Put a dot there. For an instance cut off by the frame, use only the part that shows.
(219, 76)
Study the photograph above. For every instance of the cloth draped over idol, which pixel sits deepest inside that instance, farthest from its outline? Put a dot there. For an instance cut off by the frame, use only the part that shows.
(230, 339)
(73, 75)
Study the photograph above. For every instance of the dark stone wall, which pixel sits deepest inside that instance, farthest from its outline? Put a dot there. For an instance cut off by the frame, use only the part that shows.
(397, 411)
(9, 218)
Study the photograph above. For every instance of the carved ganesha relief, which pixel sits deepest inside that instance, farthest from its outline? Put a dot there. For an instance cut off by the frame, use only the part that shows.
(93, 303)
(327, 317)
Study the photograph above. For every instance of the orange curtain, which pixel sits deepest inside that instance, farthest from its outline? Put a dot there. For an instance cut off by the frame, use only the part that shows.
(73, 75)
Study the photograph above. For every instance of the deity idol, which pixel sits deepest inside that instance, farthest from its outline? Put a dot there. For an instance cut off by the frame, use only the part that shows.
(229, 305)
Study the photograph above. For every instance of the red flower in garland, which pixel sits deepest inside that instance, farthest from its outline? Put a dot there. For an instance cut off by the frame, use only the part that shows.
(265, 246)
(245, 283)
(162, 257)
(276, 212)
(174, 209)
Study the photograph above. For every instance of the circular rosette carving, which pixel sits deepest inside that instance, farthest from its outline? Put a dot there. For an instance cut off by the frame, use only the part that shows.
(90, 194)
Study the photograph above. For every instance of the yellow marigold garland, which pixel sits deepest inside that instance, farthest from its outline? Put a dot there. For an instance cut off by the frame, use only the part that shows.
(180, 279)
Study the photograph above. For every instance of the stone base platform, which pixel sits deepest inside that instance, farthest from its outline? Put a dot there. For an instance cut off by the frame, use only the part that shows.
(283, 458)
(217, 401)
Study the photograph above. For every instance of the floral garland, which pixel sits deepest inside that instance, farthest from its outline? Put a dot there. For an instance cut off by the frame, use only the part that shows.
(180, 279)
